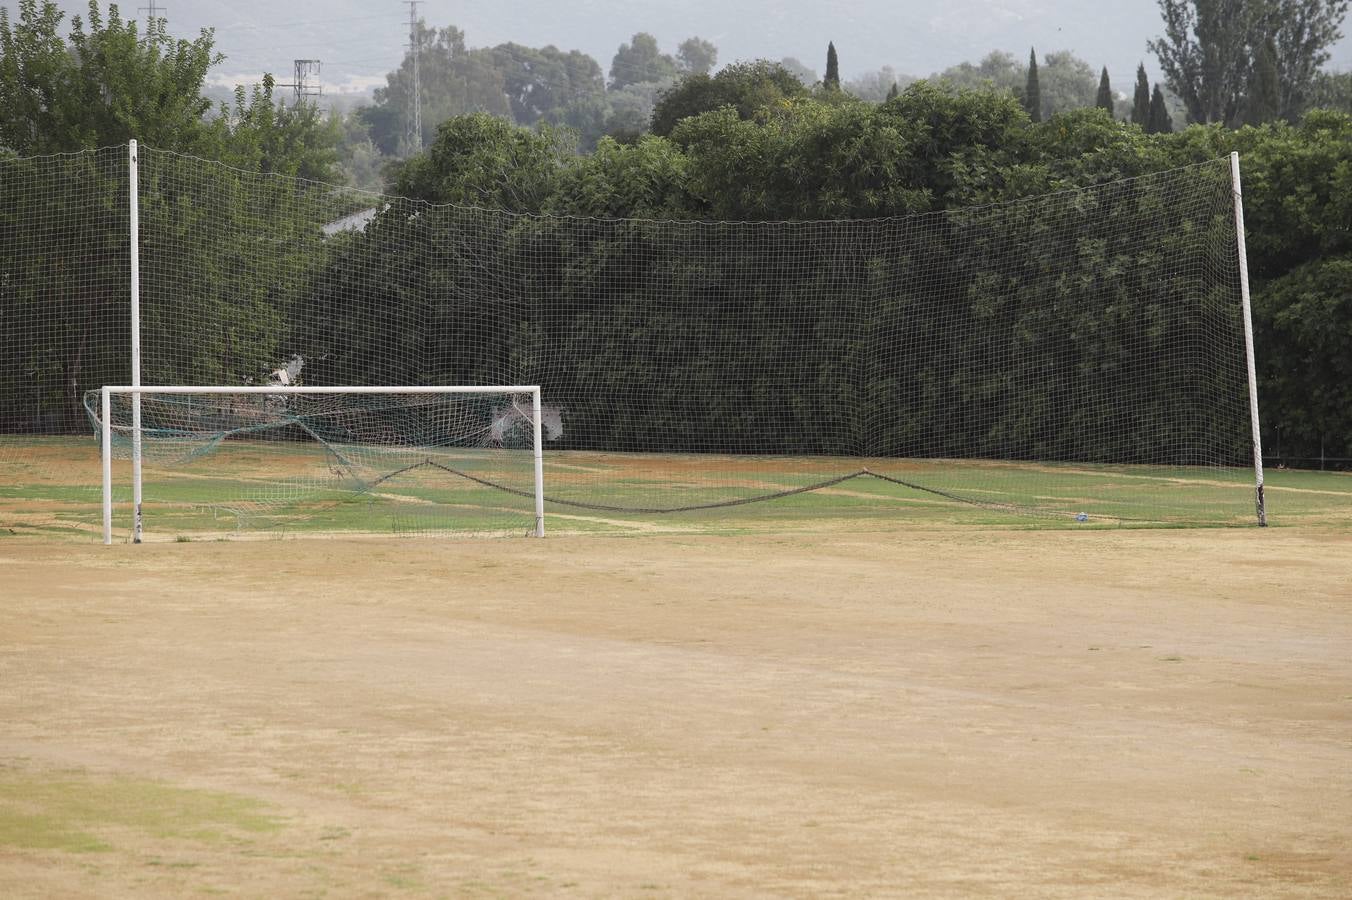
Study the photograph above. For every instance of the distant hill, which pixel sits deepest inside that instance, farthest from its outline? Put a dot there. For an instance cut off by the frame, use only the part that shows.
(360, 41)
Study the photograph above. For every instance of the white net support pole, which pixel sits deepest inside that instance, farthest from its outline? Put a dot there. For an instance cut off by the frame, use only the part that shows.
(136, 391)
(106, 442)
(1259, 502)
(538, 445)
(135, 260)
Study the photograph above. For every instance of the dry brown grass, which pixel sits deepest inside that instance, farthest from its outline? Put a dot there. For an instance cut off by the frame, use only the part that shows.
(922, 713)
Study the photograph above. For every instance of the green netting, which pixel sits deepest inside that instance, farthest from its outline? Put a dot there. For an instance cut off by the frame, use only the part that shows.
(303, 463)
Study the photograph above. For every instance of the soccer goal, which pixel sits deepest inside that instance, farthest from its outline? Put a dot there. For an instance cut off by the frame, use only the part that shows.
(313, 460)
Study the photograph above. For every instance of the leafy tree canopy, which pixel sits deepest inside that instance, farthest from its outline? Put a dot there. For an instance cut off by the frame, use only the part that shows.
(997, 71)
(484, 160)
(798, 69)
(1065, 81)
(696, 56)
(454, 81)
(106, 83)
(631, 108)
(877, 86)
(747, 87)
(641, 61)
(543, 84)
(262, 135)
(1209, 49)
(1332, 90)
(809, 159)
(930, 149)
(103, 85)
(647, 179)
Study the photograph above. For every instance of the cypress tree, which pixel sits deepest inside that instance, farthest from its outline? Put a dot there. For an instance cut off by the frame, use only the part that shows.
(1104, 100)
(832, 80)
(892, 91)
(1159, 121)
(1032, 93)
(1140, 109)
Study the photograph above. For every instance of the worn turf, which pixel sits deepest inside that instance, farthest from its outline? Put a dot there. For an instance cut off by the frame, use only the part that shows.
(51, 485)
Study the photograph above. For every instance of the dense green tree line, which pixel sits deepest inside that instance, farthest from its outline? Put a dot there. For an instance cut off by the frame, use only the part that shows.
(928, 151)
(526, 85)
(242, 274)
(614, 310)
(1230, 61)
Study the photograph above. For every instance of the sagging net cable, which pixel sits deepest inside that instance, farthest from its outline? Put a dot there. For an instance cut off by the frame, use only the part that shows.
(743, 501)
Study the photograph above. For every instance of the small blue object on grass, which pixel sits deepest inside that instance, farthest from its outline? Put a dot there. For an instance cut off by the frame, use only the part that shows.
(1082, 517)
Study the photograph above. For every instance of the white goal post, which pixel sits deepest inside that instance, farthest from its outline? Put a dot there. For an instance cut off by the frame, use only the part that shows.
(138, 392)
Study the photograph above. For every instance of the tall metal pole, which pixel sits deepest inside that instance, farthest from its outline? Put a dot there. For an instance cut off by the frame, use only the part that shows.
(105, 424)
(135, 204)
(538, 444)
(1259, 501)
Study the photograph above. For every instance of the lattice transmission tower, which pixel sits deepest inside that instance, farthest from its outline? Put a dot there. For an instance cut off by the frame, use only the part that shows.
(302, 84)
(154, 14)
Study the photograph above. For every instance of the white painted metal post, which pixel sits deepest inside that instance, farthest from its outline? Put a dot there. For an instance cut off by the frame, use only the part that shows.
(1259, 502)
(336, 389)
(539, 466)
(135, 202)
(106, 426)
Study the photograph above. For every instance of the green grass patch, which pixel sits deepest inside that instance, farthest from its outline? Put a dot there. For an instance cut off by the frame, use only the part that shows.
(272, 489)
(83, 814)
(43, 832)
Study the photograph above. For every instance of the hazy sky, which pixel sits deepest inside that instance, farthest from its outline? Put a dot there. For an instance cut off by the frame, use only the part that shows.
(360, 40)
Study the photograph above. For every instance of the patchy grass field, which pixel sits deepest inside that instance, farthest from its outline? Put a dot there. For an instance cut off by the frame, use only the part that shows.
(256, 489)
(866, 690)
(925, 712)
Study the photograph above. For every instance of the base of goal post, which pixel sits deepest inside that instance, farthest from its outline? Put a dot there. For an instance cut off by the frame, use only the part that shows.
(214, 415)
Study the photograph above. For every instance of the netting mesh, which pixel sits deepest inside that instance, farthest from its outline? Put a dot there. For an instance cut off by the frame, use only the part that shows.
(305, 463)
(64, 290)
(1074, 353)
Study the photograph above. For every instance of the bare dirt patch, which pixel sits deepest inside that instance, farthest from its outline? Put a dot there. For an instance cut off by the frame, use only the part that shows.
(923, 713)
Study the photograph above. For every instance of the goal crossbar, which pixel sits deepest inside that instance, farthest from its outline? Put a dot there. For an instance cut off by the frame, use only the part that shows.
(137, 391)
